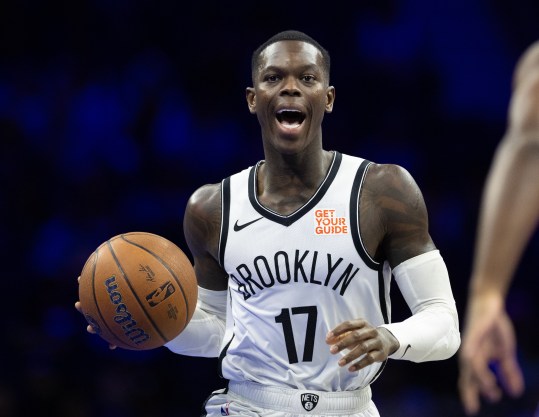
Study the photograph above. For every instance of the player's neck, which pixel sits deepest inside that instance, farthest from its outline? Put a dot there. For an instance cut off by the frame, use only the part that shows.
(287, 182)
(309, 169)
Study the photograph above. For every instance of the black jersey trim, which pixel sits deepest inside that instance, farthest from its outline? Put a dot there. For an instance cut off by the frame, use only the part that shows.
(379, 372)
(225, 218)
(382, 294)
(354, 215)
(315, 199)
(223, 352)
(222, 356)
(383, 308)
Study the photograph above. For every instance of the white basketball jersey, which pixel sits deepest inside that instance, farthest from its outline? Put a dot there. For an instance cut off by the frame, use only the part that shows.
(293, 278)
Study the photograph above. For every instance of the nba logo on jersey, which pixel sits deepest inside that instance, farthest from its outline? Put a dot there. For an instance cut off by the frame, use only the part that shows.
(225, 409)
(309, 401)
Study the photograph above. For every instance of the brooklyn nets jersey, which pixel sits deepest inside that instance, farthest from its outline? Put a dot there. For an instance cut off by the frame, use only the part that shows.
(293, 278)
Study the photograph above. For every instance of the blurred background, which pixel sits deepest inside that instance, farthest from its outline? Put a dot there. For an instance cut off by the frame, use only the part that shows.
(113, 112)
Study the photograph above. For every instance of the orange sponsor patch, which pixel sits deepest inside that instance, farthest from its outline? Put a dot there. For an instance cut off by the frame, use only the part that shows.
(327, 222)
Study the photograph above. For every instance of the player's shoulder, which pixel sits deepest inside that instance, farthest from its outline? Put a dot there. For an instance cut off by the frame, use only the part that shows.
(205, 198)
(208, 196)
(388, 175)
(206, 191)
(202, 217)
(391, 186)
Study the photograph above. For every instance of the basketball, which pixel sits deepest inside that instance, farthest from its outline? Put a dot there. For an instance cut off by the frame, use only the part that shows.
(138, 290)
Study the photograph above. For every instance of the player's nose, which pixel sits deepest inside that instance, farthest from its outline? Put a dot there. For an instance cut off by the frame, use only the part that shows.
(290, 86)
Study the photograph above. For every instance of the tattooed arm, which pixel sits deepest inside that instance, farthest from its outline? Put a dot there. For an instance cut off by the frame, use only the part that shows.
(202, 220)
(394, 228)
(201, 225)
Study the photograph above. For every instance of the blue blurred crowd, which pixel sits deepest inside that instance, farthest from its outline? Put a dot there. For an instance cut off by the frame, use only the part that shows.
(113, 112)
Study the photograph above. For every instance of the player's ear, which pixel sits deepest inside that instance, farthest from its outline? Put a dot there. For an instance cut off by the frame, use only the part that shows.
(251, 99)
(330, 98)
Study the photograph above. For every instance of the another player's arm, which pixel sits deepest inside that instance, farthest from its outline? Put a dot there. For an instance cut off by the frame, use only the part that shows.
(394, 227)
(510, 206)
(508, 216)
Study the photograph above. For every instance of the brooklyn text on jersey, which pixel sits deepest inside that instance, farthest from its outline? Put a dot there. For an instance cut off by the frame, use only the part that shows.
(298, 267)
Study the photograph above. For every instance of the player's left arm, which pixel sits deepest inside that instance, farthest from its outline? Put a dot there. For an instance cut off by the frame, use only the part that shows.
(394, 227)
(432, 332)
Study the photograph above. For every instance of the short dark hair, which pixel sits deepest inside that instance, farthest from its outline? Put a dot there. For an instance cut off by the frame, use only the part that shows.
(290, 35)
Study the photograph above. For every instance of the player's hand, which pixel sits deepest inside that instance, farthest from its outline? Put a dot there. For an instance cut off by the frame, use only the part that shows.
(489, 338)
(89, 328)
(363, 341)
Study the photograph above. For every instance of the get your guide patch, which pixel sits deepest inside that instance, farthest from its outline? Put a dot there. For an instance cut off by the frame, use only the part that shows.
(328, 222)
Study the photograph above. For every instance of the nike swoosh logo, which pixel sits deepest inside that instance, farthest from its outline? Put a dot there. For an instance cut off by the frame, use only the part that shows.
(406, 350)
(238, 227)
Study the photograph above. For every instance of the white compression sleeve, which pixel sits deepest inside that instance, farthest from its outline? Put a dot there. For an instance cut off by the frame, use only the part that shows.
(432, 332)
(204, 333)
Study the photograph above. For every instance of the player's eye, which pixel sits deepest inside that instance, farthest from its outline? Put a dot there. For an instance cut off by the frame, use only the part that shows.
(308, 78)
(272, 78)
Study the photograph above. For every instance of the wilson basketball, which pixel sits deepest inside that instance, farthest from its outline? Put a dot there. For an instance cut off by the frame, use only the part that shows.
(138, 290)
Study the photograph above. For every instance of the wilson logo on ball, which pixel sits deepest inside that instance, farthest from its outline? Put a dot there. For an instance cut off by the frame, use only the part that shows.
(123, 316)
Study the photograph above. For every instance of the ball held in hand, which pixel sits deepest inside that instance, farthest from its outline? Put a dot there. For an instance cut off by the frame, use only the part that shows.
(138, 290)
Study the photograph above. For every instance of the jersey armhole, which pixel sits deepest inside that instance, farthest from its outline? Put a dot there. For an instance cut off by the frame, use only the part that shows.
(354, 216)
(225, 216)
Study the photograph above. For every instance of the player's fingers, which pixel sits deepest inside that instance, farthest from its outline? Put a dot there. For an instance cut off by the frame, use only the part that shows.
(332, 339)
(351, 339)
(469, 395)
(343, 328)
(91, 330)
(486, 381)
(368, 350)
(490, 389)
(511, 376)
(477, 379)
(353, 354)
(367, 356)
(347, 341)
(78, 307)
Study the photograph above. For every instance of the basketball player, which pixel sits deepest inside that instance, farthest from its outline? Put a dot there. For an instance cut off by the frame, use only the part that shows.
(294, 258)
(508, 217)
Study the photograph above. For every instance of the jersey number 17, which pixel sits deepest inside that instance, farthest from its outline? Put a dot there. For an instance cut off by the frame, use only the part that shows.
(286, 322)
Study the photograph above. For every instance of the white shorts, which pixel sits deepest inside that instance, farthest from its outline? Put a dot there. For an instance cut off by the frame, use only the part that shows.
(249, 399)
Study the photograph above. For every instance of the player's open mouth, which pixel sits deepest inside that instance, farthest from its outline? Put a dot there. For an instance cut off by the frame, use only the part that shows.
(290, 117)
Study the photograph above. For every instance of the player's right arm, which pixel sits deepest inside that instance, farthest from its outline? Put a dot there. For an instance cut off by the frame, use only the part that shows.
(202, 226)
